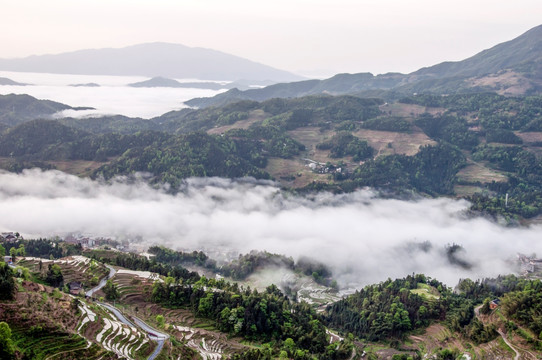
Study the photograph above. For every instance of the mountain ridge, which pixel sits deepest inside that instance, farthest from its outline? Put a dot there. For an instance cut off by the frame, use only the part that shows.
(151, 59)
(512, 67)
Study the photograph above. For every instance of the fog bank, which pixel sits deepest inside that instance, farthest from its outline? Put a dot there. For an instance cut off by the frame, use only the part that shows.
(363, 238)
(113, 96)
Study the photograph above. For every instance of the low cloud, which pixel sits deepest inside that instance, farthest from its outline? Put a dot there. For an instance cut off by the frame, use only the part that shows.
(113, 96)
(363, 238)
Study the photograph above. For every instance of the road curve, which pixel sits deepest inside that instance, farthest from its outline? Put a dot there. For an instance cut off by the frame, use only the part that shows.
(502, 334)
(117, 313)
(102, 283)
(152, 333)
(509, 344)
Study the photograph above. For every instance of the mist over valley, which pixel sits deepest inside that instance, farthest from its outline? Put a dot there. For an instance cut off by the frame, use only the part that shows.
(171, 202)
(363, 238)
(113, 95)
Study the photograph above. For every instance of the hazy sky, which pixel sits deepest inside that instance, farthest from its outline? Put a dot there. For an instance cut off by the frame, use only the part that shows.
(322, 36)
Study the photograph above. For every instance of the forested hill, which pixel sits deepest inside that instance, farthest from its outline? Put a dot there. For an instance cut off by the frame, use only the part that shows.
(477, 146)
(513, 67)
(415, 317)
(16, 109)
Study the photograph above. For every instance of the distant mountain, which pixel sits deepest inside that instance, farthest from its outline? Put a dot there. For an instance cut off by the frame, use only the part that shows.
(520, 54)
(86, 85)
(513, 67)
(171, 83)
(336, 85)
(6, 81)
(160, 81)
(153, 59)
(16, 109)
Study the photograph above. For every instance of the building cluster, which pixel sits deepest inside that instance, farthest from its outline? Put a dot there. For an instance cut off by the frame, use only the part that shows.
(85, 241)
(322, 168)
(10, 237)
(529, 264)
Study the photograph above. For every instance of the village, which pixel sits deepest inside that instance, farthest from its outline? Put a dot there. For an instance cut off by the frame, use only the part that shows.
(530, 265)
(325, 168)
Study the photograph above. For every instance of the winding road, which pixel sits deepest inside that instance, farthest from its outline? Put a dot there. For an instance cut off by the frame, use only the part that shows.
(152, 333)
(102, 283)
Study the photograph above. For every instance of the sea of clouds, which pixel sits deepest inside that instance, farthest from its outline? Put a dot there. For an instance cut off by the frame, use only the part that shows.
(362, 237)
(113, 96)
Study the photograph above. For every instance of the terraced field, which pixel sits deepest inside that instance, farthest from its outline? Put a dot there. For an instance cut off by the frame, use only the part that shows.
(101, 326)
(207, 344)
(44, 324)
(195, 333)
(58, 346)
(74, 268)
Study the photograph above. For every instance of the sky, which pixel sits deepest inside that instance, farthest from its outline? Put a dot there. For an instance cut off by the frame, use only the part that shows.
(309, 37)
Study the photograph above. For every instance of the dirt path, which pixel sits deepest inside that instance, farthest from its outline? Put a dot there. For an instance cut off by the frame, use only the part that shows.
(502, 334)
(509, 344)
(69, 351)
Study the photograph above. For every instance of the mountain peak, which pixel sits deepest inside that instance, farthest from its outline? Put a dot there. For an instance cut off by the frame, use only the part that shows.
(509, 55)
(151, 60)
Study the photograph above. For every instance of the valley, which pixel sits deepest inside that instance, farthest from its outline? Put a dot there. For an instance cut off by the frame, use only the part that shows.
(128, 318)
(185, 203)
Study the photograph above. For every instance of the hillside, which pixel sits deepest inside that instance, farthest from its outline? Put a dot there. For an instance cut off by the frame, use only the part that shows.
(165, 82)
(16, 109)
(35, 136)
(513, 67)
(6, 81)
(156, 307)
(152, 59)
(477, 146)
(522, 54)
(159, 81)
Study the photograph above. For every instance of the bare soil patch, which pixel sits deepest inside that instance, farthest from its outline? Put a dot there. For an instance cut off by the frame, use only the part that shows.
(401, 143)
(408, 110)
(529, 137)
(292, 172)
(504, 83)
(479, 172)
(254, 117)
(77, 167)
(466, 190)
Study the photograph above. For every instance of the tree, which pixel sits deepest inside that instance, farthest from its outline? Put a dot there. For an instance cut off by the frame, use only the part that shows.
(160, 320)
(54, 275)
(111, 291)
(289, 345)
(7, 282)
(2, 252)
(23, 273)
(21, 250)
(485, 309)
(12, 253)
(75, 304)
(7, 349)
